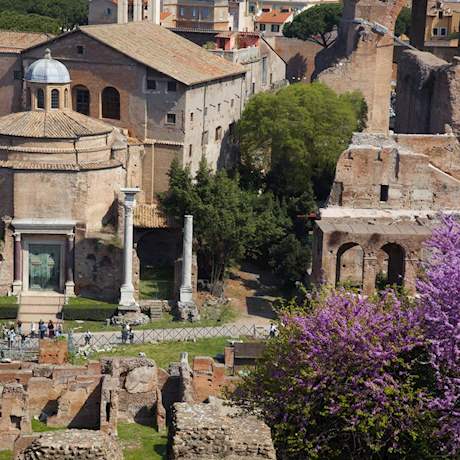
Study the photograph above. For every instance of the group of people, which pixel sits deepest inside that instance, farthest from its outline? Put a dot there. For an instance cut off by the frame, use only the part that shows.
(45, 330)
(15, 333)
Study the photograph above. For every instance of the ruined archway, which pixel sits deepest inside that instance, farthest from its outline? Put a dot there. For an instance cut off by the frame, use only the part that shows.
(350, 265)
(392, 265)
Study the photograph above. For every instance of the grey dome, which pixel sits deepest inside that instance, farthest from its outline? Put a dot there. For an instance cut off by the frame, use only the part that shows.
(47, 70)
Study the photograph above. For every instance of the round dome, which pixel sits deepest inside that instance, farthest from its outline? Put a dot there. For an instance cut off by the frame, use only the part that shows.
(47, 70)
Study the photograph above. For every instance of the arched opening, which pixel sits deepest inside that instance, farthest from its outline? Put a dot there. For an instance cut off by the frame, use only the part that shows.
(54, 99)
(157, 251)
(350, 266)
(40, 99)
(66, 98)
(82, 99)
(391, 264)
(111, 103)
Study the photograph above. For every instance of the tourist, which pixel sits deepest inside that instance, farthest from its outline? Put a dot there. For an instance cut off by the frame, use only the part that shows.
(124, 333)
(59, 330)
(42, 329)
(88, 337)
(32, 330)
(51, 329)
(131, 336)
(11, 336)
(273, 331)
(20, 331)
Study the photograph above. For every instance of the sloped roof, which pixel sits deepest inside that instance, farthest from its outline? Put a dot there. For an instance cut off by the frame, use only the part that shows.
(51, 125)
(15, 42)
(273, 17)
(164, 51)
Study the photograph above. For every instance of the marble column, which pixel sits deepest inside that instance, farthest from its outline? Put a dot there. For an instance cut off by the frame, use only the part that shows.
(69, 266)
(186, 291)
(127, 289)
(138, 10)
(17, 282)
(153, 11)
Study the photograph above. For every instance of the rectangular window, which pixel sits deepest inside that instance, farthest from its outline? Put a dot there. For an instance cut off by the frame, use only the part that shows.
(264, 71)
(191, 116)
(262, 27)
(443, 31)
(266, 10)
(204, 138)
(80, 49)
(252, 8)
(435, 32)
(253, 88)
(232, 102)
(440, 15)
(194, 12)
(218, 136)
(151, 84)
(218, 107)
(109, 12)
(384, 192)
(231, 129)
(172, 86)
(190, 150)
(181, 11)
(205, 13)
(171, 118)
(275, 28)
(17, 75)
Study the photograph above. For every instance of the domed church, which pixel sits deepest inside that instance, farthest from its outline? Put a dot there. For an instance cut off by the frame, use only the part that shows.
(61, 173)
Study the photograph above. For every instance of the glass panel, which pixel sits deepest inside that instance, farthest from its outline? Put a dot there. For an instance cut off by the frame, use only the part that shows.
(44, 266)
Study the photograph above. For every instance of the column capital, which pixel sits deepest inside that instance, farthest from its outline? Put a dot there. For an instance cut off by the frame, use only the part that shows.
(17, 236)
(70, 236)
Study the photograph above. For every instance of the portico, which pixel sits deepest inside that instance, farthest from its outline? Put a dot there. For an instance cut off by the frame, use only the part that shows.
(44, 256)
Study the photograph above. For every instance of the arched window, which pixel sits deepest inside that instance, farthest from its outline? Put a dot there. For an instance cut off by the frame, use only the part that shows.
(111, 103)
(66, 98)
(55, 99)
(40, 99)
(81, 99)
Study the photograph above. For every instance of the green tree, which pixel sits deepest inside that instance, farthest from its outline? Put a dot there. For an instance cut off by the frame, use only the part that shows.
(290, 141)
(11, 20)
(403, 22)
(317, 24)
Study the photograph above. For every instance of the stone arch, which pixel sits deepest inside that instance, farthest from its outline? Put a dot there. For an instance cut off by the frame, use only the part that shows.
(110, 103)
(391, 259)
(350, 265)
(81, 99)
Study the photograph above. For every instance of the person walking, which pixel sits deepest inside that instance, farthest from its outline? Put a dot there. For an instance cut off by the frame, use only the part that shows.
(32, 330)
(59, 330)
(50, 329)
(11, 337)
(88, 337)
(124, 333)
(42, 329)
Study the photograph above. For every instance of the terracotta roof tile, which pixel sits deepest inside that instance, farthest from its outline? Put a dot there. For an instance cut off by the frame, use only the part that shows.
(15, 42)
(273, 17)
(163, 50)
(149, 216)
(51, 125)
(34, 165)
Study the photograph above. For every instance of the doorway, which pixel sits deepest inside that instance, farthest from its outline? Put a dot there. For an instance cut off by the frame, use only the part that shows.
(44, 267)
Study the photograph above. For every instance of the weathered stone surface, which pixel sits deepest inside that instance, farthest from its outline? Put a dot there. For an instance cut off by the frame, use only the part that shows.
(214, 431)
(141, 380)
(73, 445)
(53, 352)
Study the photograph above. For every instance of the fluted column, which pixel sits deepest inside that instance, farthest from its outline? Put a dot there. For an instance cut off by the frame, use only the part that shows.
(17, 282)
(186, 290)
(127, 289)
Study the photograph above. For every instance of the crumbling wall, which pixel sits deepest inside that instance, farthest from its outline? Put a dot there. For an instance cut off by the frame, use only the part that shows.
(214, 431)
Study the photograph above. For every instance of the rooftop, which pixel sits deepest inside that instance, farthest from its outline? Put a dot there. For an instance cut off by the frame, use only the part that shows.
(51, 125)
(164, 51)
(47, 70)
(273, 17)
(15, 42)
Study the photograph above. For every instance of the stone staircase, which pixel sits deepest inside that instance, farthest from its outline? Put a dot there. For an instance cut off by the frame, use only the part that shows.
(34, 307)
(155, 308)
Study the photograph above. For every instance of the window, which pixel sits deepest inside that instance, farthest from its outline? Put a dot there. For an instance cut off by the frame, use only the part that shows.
(17, 75)
(231, 129)
(262, 27)
(218, 136)
(109, 12)
(190, 150)
(440, 15)
(205, 12)
(81, 99)
(253, 88)
(54, 99)
(271, 79)
(111, 103)
(219, 106)
(252, 8)
(443, 31)
(284, 10)
(171, 118)
(172, 86)
(204, 138)
(232, 102)
(191, 116)
(275, 28)
(384, 192)
(151, 84)
(435, 32)
(194, 12)
(264, 71)
(40, 99)
(266, 10)
(181, 11)
(66, 98)
(80, 49)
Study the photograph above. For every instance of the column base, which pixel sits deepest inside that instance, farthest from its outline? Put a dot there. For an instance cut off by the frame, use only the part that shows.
(188, 311)
(69, 290)
(127, 297)
(17, 287)
(186, 294)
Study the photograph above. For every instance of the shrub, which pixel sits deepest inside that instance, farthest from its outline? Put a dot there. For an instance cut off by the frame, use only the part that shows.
(88, 311)
(343, 381)
(8, 311)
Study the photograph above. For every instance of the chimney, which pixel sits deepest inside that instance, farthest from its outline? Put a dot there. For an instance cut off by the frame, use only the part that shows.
(153, 10)
(138, 10)
(122, 12)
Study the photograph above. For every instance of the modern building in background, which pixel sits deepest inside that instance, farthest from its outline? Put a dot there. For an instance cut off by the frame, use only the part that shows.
(272, 22)
(442, 23)
(123, 11)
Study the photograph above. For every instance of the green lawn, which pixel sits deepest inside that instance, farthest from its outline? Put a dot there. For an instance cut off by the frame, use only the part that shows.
(156, 283)
(166, 352)
(8, 455)
(141, 442)
(41, 427)
(8, 300)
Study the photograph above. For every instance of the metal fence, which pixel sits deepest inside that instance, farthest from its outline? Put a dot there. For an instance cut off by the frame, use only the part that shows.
(108, 339)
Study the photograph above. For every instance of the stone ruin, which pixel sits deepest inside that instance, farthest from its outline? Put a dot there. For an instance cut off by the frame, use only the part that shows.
(389, 188)
(214, 431)
(72, 445)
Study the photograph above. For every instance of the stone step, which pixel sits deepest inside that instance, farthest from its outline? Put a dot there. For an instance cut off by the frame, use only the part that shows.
(53, 309)
(42, 300)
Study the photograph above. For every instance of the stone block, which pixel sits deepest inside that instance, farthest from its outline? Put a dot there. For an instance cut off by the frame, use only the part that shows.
(53, 352)
(141, 380)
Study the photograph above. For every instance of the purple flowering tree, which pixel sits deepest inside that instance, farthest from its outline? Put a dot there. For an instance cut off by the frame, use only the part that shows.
(340, 382)
(440, 297)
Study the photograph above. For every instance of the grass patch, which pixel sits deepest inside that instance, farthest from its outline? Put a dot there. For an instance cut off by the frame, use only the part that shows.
(8, 300)
(165, 353)
(156, 283)
(8, 455)
(41, 427)
(141, 442)
(84, 302)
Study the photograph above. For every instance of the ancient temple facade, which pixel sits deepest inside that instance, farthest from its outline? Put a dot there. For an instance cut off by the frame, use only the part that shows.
(61, 174)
